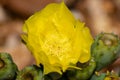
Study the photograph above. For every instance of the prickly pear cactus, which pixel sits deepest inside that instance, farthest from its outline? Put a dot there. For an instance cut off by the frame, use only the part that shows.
(31, 72)
(8, 68)
(83, 74)
(105, 49)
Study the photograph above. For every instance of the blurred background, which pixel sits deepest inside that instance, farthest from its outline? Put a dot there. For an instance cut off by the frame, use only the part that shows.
(98, 15)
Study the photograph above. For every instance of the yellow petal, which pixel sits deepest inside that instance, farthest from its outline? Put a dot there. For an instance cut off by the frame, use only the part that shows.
(85, 42)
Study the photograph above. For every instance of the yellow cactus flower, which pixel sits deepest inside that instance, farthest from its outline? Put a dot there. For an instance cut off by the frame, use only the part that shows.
(56, 39)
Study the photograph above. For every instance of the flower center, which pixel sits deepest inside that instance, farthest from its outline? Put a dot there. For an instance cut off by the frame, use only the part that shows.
(56, 45)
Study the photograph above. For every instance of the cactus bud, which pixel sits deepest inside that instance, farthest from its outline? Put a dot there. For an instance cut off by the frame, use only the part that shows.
(105, 49)
(8, 68)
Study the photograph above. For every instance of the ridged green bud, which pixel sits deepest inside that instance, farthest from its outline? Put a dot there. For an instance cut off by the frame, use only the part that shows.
(105, 49)
(83, 74)
(8, 69)
(31, 72)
